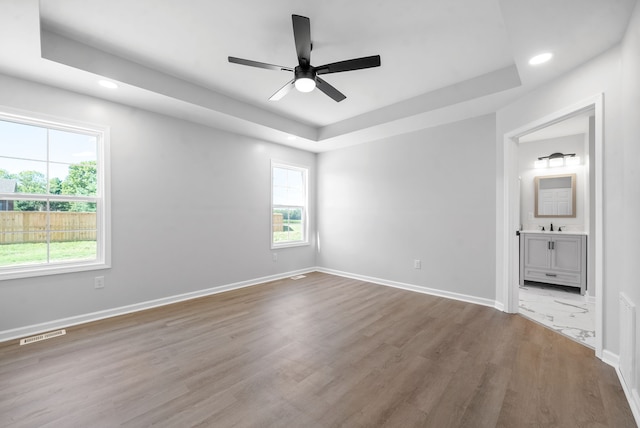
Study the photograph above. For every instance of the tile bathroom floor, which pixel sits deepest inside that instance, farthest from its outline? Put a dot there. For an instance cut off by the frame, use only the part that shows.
(561, 309)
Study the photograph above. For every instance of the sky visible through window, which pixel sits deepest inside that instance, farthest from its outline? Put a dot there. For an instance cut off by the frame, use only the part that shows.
(287, 187)
(24, 148)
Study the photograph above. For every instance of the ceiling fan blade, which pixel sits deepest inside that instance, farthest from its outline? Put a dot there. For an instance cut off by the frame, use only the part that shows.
(350, 64)
(283, 91)
(258, 64)
(329, 90)
(302, 38)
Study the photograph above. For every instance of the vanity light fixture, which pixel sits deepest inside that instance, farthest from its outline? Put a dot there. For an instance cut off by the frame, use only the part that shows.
(541, 163)
(557, 159)
(572, 161)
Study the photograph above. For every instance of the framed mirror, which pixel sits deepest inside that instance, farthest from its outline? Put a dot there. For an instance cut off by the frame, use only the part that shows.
(555, 196)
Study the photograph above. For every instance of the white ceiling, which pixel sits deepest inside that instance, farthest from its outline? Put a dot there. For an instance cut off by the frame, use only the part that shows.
(171, 57)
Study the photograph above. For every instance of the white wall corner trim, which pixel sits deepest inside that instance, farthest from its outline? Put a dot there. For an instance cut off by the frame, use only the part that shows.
(415, 288)
(20, 332)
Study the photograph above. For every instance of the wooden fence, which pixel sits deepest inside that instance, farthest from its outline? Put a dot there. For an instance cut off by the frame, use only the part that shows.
(31, 226)
(278, 223)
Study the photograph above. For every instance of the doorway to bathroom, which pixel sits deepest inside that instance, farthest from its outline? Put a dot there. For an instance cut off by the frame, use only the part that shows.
(554, 206)
(523, 147)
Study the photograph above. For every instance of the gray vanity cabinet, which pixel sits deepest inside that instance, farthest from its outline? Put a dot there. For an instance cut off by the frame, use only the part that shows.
(555, 258)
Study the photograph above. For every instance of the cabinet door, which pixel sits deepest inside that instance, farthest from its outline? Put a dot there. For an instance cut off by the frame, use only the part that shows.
(537, 254)
(567, 253)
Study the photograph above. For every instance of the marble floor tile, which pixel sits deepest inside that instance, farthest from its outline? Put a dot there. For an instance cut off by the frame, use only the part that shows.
(562, 310)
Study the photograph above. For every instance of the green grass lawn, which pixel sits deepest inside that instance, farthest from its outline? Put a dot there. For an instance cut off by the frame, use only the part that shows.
(293, 234)
(30, 253)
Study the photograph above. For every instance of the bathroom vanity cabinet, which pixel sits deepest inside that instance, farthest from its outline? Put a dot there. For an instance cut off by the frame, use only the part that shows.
(555, 258)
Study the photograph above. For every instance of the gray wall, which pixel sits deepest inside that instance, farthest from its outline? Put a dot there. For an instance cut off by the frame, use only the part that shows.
(190, 211)
(601, 75)
(630, 252)
(428, 195)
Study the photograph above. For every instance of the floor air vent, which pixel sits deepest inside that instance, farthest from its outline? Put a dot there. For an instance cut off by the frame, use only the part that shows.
(298, 277)
(43, 336)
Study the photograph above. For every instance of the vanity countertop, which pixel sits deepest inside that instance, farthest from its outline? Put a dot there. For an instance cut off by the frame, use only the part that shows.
(568, 232)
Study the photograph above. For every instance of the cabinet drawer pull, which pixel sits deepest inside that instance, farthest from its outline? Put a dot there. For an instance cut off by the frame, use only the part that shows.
(551, 274)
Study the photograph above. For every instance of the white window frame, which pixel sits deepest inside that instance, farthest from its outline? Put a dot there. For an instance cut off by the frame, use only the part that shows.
(102, 197)
(305, 208)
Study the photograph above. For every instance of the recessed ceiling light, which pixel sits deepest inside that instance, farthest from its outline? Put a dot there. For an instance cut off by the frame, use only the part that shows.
(540, 59)
(107, 84)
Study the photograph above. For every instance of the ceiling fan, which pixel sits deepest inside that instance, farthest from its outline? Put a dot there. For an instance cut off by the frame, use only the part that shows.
(305, 75)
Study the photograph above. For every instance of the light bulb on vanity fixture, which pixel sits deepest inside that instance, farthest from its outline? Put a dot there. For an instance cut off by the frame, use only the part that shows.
(557, 159)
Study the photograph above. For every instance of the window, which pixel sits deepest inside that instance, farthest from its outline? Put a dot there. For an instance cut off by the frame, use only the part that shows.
(288, 205)
(53, 207)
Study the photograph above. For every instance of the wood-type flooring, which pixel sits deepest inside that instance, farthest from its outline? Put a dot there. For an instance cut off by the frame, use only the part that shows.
(322, 351)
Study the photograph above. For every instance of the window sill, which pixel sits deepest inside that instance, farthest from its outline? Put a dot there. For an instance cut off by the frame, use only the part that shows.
(33, 271)
(290, 245)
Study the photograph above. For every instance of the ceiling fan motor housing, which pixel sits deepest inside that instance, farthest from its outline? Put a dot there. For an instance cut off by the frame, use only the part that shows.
(302, 73)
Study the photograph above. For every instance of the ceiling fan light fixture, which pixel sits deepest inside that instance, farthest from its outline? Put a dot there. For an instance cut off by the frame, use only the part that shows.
(305, 84)
(305, 79)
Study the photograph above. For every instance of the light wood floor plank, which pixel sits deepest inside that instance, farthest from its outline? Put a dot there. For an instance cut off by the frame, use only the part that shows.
(322, 351)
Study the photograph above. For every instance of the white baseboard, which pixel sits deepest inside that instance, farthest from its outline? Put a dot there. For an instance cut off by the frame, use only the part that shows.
(20, 332)
(610, 358)
(410, 287)
(632, 396)
(635, 405)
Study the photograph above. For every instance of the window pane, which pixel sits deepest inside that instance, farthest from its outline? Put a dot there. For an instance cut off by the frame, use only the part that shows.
(279, 176)
(294, 178)
(71, 148)
(289, 193)
(23, 141)
(279, 195)
(295, 197)
(58, 168)
(287, 225)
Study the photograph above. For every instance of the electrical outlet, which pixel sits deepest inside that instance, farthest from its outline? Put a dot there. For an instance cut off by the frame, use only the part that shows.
(274, 256)
(99, 282)
(417, 264)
